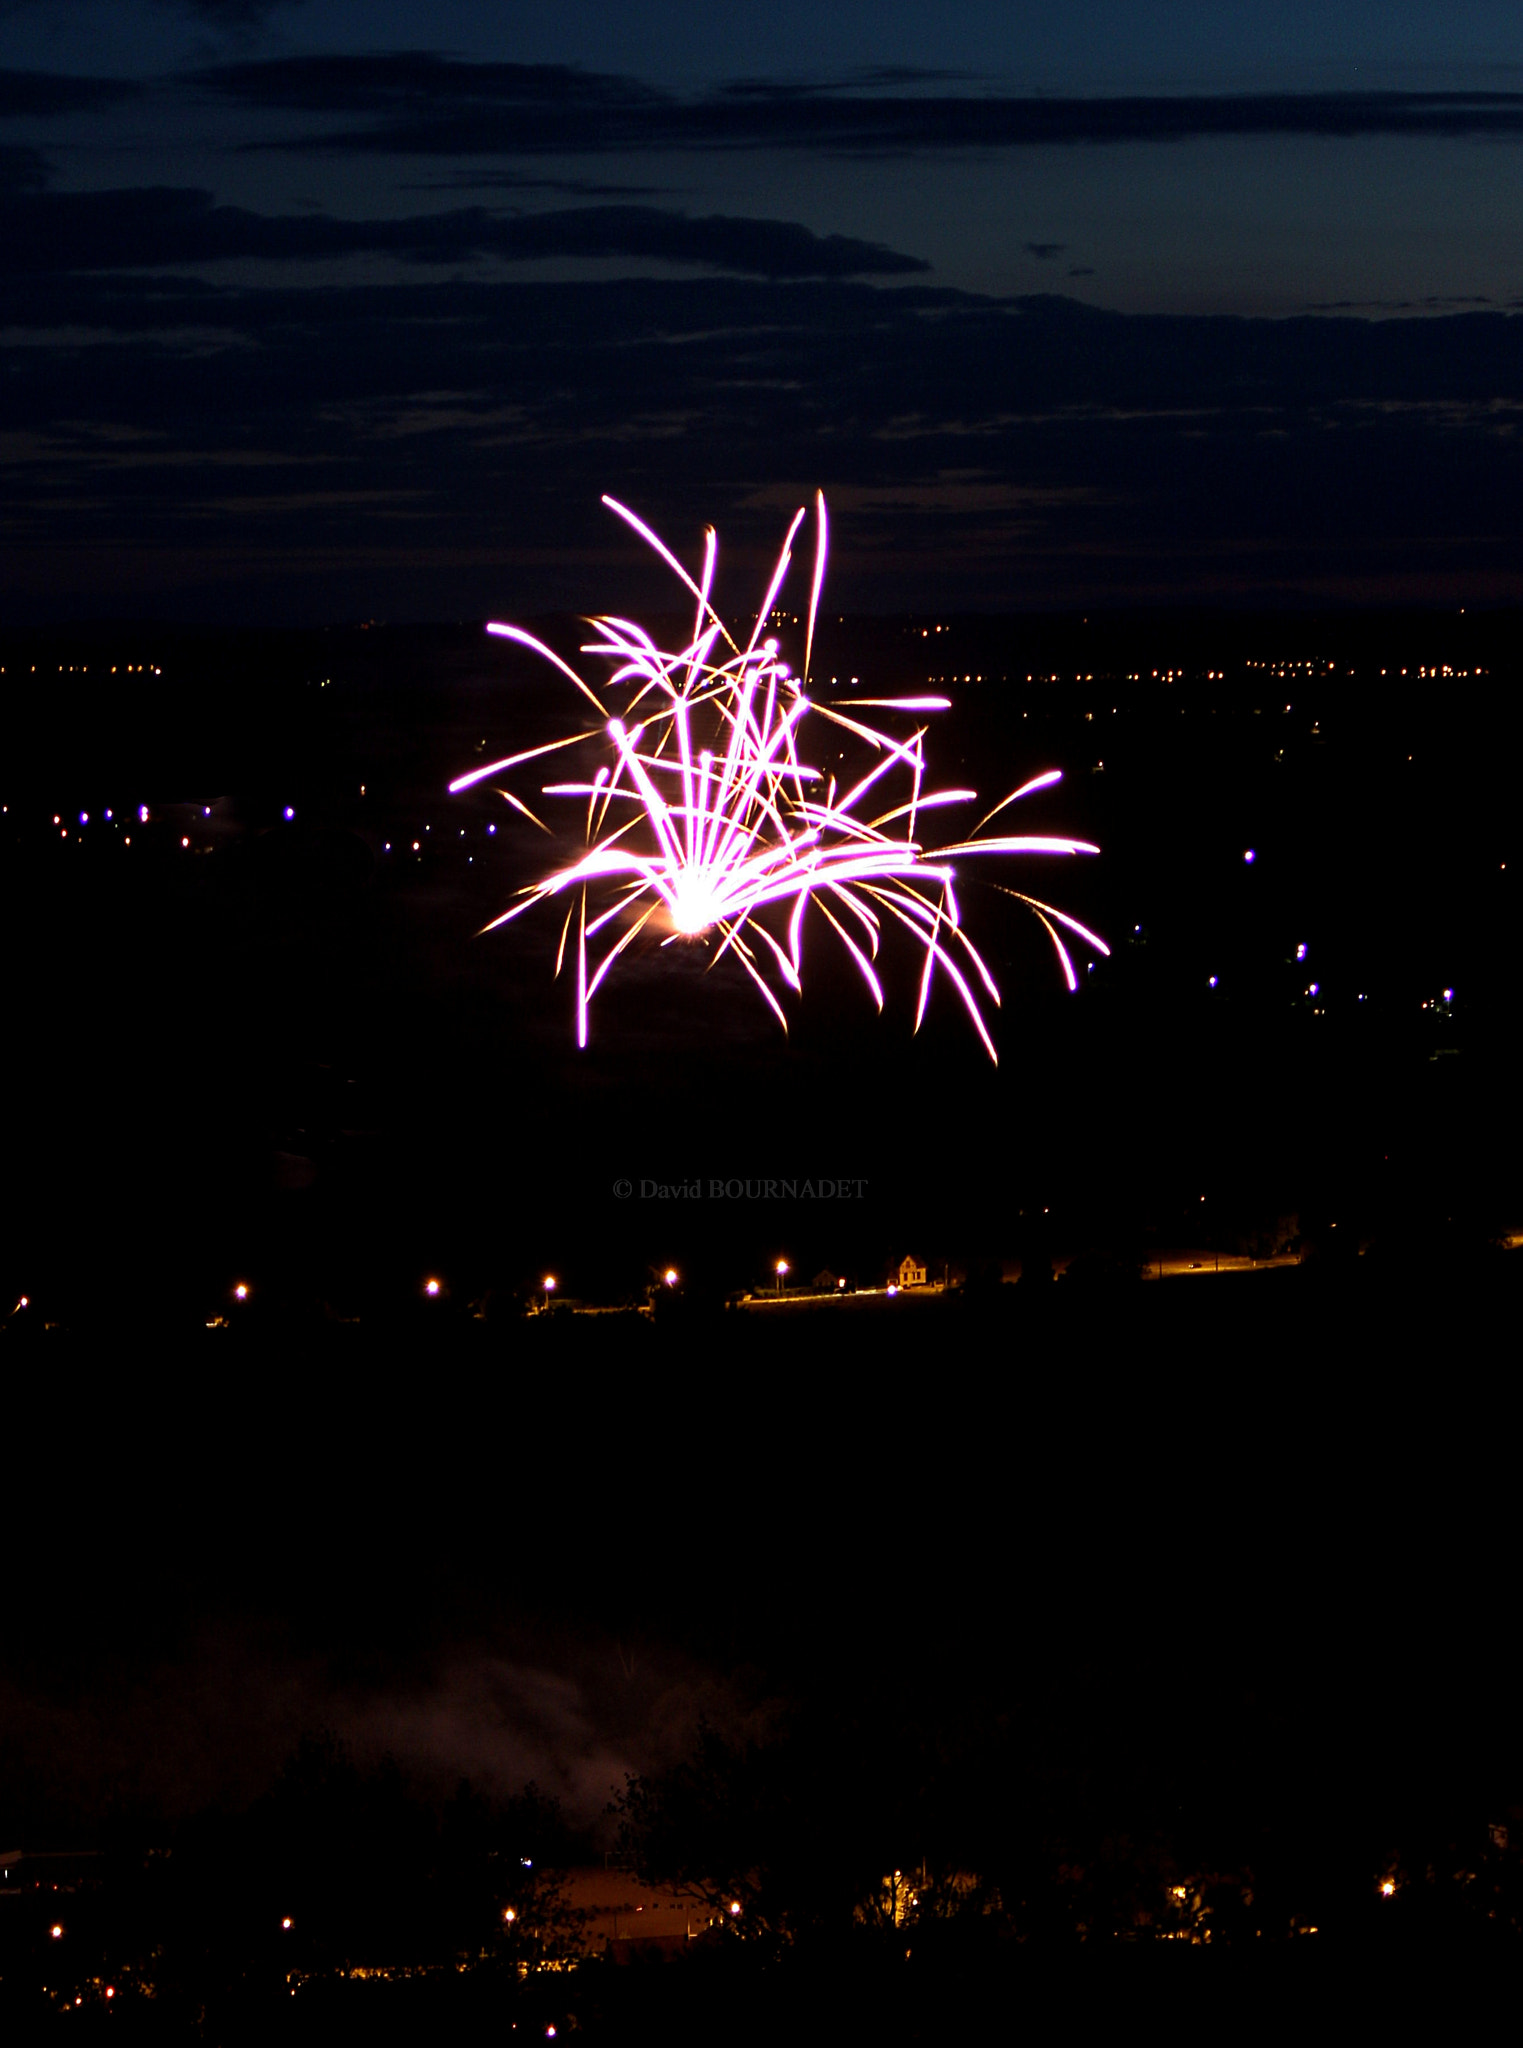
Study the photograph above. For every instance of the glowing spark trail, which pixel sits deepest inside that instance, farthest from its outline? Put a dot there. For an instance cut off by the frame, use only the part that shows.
(706, 817)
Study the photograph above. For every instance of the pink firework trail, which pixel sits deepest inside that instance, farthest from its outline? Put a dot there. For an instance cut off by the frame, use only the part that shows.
(705, 821)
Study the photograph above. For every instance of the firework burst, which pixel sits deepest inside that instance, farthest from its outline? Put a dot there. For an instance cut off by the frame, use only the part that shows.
(705, 822)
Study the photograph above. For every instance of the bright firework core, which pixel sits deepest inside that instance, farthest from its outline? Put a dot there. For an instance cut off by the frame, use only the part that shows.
(695, 905)
(705, 816)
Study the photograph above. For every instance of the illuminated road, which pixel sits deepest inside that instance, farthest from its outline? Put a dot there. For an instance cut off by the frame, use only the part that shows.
(1166, 1265)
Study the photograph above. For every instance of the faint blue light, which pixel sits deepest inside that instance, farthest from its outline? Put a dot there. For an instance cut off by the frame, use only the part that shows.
(1300, 952)
(289, 812)
(84, 817)
(142, 814)
(206, 810)
(491, 828)
(1213, 981)
(1448, 995)
(1312, 990)
(108, 817)
(1250, 856)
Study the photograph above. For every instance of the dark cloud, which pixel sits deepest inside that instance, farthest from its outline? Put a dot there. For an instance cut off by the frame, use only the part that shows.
(1081, 270)
(156, 227)
(1434, 302)
(1044, 251)
(390, 80)
(54, 92)
(232, 13)
(22, 169)
(419, 102)
(437, 448)
(497, 180)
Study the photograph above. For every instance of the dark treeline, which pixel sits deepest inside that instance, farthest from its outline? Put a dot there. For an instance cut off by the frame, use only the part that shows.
(871, 1862)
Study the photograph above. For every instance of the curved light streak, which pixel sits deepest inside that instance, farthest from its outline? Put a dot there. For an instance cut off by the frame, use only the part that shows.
(704, 816)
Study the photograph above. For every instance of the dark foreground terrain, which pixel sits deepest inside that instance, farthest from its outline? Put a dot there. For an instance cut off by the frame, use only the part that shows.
(1153, 1628)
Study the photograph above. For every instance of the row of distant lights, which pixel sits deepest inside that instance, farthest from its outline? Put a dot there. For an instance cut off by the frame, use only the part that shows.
(129, 668)
(509, 1915)
(433, 1287)
(109, 818)
(1313, 988)
(417, 844)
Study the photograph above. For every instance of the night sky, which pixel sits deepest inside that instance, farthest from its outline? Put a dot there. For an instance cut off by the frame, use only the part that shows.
(1155, 332)
(324, 312)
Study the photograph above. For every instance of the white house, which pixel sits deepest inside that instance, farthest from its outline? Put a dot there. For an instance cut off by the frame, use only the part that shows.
(911, 1273)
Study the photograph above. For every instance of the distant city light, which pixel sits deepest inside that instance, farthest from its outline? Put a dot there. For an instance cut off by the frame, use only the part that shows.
(670, 1276)
(142, 815)
(549, 1283)
(892, 1288)
(430, 1288)
(84, 817)
(286, 1923)
(1300, 952)
(1388, 1888)
(734, 1908)
(1250, 856)
(56, 1931)
(288, 812)
(1212, 982)
(241, 1291)
(1448, 995)
(508, 1914)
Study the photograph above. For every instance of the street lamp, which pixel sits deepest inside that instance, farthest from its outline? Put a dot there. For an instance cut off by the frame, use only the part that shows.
(782, 1267)
(549, 1288)
(670, 1276)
